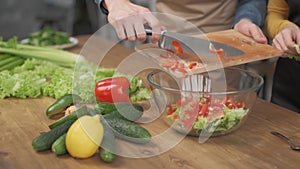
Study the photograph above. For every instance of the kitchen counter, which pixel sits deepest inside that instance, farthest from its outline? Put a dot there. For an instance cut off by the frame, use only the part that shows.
(251, 146)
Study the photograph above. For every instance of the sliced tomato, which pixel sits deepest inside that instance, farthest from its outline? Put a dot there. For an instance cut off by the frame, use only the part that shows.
(229, 102)
(192, 65)
(173, 116)
(219, 52)
(174, 66)
(165, 56)
(241, 104)
(170, 110)
(170, 51)
(204, 110)
(178, 47)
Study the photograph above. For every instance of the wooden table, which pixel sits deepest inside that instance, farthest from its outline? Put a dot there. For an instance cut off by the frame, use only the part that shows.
(252, 146)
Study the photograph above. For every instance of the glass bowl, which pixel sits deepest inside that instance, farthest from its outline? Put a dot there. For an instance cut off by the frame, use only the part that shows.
(217, 101)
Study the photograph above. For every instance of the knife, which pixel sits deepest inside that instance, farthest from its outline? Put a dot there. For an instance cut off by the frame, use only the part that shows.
(194, 46)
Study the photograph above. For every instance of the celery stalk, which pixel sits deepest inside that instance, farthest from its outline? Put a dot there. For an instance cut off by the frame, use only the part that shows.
(66, 59)
(4, 57)
(9, 60)
(12, 64)
(60, 57)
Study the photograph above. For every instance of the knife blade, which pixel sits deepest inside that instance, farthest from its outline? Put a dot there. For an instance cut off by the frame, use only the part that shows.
(194, 47)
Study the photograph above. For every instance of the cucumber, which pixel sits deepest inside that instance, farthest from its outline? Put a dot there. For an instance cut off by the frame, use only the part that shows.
(45, 141)
(128, 130)
(126, 110)
(59, 145)
(82, 110)
(107, 156)
(108, 144)
(105, 107)
(62, 103)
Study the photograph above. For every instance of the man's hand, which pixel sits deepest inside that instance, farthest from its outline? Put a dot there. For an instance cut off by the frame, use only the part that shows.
(248, 28)
(287, 38)
(129, 19)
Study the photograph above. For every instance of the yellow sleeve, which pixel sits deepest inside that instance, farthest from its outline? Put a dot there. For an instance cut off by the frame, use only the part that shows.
(277, 17)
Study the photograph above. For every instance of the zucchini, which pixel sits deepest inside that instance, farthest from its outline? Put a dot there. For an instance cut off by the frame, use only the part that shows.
(126, 110)
(59, 145)
(45, 141)
(62, 103)
(108, 144)
(128, 130)
(82, 110)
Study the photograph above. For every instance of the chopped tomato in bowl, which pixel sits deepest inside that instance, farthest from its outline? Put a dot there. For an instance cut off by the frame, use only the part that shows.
(201, 112)
(223, 106)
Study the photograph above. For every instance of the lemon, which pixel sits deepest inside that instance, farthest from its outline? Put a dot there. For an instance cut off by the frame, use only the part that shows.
(84, 136)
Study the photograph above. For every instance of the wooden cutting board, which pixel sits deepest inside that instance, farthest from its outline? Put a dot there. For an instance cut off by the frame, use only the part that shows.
(253, 51)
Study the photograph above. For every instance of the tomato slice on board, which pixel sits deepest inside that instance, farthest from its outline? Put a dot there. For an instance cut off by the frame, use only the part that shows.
(178, 47)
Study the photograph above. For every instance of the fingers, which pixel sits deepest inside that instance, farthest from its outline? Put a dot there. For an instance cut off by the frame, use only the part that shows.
(248, 28)
(119, 30)
(297, 41)
(258, 35)
(140, 31)
(132, 27)
(285, 41)
(129, 31)
(153, 22)
(129, 28)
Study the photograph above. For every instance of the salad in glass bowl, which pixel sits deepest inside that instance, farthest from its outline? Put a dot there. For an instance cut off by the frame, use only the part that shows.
(223, 107)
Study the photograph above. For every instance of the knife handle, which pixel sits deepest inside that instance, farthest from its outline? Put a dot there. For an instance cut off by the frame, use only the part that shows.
(148, 31)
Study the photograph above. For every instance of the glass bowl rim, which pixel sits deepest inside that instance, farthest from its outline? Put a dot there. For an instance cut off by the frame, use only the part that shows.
(253, 88)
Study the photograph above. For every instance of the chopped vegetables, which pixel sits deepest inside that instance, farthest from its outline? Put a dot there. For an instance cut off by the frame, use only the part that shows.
(192, 65)
(293, 56)
(138, 91)
(178, 47)
(48, 37)
(218, 52)
(196, 113)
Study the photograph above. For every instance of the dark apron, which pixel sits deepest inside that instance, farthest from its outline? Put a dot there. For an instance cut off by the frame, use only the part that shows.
(286, 85)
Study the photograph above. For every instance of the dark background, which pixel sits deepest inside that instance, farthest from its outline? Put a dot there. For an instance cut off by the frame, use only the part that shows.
(19, 18)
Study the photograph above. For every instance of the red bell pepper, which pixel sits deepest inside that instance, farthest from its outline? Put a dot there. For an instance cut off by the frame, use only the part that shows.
(112, 90)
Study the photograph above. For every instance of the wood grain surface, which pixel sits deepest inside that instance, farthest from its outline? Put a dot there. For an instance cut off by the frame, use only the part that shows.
(250, 147)
(253, 51)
